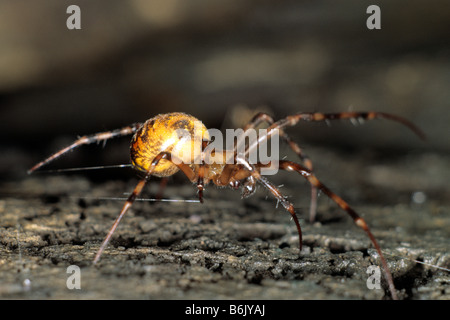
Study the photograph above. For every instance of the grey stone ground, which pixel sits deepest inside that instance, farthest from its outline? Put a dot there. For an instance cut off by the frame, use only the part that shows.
(229, 248)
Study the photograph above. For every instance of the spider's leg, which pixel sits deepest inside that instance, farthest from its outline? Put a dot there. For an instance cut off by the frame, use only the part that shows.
(358, 116)
(250, 170)
(97, 137)
(360, 222)
(282, 199)
(202, 172)
(162, 187)
(292, 120)
(308, 164)
(200, 181)
(264, 117)
(137, 190)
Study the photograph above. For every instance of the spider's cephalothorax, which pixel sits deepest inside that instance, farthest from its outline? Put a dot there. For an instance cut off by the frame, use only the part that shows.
(176, 141)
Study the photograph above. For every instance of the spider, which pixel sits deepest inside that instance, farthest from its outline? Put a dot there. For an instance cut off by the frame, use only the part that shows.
(152, 154)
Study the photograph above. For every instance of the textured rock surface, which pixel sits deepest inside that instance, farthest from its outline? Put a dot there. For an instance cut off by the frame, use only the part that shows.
(220, 61)
(227, 247)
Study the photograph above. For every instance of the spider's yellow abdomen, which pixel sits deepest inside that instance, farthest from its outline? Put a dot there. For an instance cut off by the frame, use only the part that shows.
(177, 133)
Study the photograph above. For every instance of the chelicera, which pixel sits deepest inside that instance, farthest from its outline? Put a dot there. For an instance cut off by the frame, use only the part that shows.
(152, 153)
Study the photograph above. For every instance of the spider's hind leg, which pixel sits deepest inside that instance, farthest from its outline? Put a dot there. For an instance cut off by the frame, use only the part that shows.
(97, 137)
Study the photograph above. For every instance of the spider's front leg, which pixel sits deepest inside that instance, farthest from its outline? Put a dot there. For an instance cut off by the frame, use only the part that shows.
(291, 120)
(264, 117)
(254, 171)
(97, 137)
(359, 221)
(252, 174)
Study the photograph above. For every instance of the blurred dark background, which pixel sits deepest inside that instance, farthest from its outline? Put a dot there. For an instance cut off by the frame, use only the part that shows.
(219, 61)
